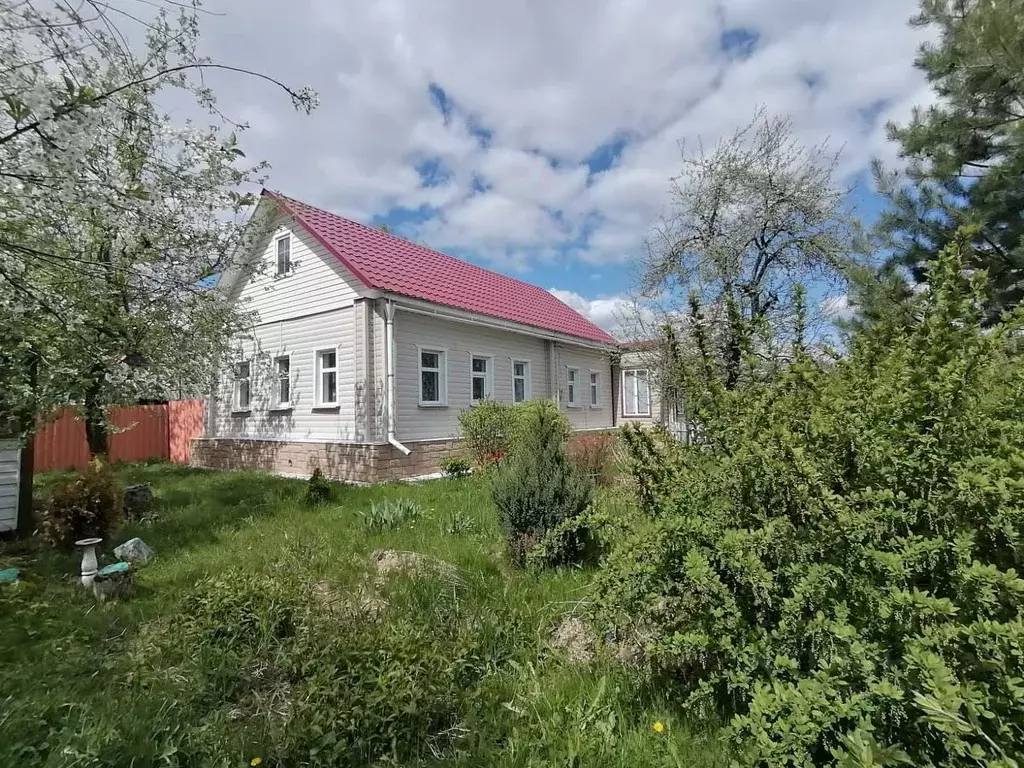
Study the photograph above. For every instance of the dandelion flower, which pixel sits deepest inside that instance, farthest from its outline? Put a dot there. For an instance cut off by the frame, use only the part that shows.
(255, 761)
(659, 727)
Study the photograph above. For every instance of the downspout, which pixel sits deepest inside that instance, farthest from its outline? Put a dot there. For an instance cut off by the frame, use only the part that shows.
(389, 342)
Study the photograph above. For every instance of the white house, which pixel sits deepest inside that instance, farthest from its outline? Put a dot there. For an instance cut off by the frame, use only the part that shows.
(366, 347)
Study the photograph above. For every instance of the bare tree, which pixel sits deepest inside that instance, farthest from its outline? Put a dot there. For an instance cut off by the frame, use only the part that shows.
(751, 220)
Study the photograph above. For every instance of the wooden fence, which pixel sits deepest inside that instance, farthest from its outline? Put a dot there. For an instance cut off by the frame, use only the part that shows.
(140, 432)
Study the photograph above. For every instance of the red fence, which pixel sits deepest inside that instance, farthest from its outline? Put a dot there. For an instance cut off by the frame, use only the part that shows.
(141, 432)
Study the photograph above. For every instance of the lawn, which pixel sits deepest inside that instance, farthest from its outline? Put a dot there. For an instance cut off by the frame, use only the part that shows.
(260, 634)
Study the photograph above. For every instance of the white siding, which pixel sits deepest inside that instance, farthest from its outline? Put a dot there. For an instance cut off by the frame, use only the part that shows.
(585, 360)
(317, 282)
(10, 456)
(461, 341)
(300, 338)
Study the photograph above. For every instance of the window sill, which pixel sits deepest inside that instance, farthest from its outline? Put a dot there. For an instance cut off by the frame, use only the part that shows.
(241, 411)
(574, 407)
(326, 407)
(433, 405)
(281, 409)
(595, 407)
(636, 415)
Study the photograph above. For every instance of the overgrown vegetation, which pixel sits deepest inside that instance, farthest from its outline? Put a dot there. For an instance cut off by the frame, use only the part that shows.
(262, 631)
(837, 568)
(594, 454)
(540, 488)
(455, 467)
(88, 505)
(318, 489)
(390, 514)
(487, 430)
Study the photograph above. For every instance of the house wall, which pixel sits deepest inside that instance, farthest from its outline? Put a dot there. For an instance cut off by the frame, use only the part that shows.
(629, 361)
(10, 466)
(461, 341)
(300, 338)
(585, 360)
(317, 282)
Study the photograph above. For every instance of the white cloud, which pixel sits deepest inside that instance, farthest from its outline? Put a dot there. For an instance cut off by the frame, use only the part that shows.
(549, 83)
(836, 307)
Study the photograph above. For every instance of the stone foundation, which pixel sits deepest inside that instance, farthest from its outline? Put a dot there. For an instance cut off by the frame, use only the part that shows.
(348, 462)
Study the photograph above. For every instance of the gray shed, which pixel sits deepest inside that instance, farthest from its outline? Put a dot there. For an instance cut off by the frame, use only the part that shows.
(10, 465)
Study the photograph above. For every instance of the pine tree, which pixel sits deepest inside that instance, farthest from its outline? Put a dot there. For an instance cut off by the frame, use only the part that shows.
(966, 153)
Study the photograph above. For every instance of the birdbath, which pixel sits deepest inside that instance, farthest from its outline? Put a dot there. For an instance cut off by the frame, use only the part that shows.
(89, 563)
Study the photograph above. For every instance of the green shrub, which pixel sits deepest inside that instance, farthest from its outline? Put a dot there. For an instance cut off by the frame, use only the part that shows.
(318, 489)
(486, 430)
(390, 514)
(540, 488)
(837, 566)
(90, 504)
(455, 467)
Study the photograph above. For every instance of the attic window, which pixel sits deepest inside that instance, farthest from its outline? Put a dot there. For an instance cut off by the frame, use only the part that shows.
(284, 255)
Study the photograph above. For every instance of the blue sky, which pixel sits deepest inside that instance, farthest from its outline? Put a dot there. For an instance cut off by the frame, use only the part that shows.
(539, 138)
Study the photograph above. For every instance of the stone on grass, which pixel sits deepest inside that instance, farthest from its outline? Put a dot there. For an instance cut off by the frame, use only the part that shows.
(9, 575)
(391, 561)
(138, 501)
(575, 638)
(114, 581)
(134, 551)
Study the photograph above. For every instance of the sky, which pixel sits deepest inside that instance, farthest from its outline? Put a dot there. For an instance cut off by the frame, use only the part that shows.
(538, 138)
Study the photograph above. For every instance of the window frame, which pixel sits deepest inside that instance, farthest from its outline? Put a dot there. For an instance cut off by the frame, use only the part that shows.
(442, 376)
(488, 377)
(572, 395)
(286, 237)
(526, 377)
(277, 403)
(595, 388)
(637, 414)
(236, 380)
(318, 378)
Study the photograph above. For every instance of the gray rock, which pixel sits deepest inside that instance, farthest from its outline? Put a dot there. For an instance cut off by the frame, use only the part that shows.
(114, 581)
(138, 501)
(133, 551)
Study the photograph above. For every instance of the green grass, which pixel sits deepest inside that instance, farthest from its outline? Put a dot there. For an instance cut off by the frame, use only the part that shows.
(154, 680)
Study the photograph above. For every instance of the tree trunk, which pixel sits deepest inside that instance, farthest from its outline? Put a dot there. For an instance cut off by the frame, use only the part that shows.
(27, 427)
(96, 414)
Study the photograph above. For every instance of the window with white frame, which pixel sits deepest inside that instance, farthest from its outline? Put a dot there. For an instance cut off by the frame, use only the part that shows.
(432, 377)
(242, 386)
(327, 377)
(520, 381)
(481, 378)
(284, 254)
(572, 387)
(636, 393)
(595, 389)
(282, 381)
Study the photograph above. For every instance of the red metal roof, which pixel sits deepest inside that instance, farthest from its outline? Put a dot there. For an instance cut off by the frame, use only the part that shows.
(389, 263)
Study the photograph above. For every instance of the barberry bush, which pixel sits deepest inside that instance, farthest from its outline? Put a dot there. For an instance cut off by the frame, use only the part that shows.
(836, 568)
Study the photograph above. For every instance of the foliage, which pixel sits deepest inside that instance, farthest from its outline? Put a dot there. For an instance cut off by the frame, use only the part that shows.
(459, 524)
(486, 430)
(750, 220)
(837, 566)
(114, 213)
(210, 663)
(594, 454)
(318, 489)
(453, 466)
(493, 430)
(89, 505)
(965, 152)
(390, 514)
(540, 487)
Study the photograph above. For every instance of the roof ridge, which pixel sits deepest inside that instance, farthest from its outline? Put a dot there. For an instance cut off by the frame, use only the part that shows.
(495, 293)
(393, 236)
